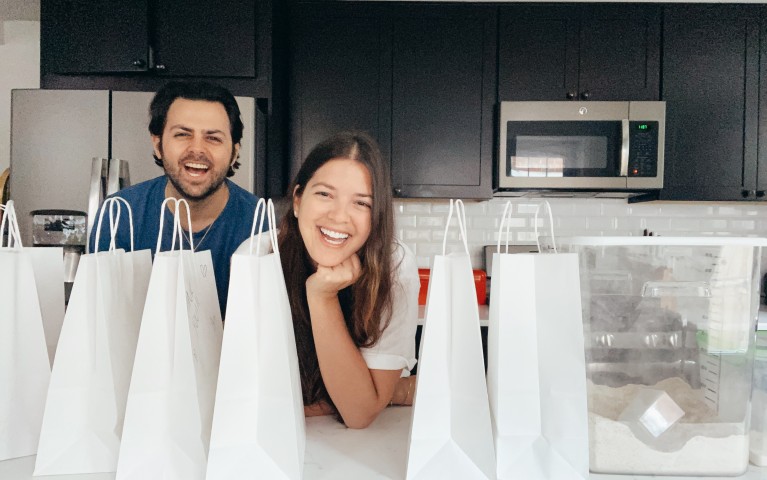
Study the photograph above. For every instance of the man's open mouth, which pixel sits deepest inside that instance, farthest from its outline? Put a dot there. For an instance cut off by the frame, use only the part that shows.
(196, 169)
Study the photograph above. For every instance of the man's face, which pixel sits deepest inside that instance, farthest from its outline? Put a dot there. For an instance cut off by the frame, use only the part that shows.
(196, 147)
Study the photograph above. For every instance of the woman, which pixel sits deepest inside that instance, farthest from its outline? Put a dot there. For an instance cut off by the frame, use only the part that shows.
(353, 288)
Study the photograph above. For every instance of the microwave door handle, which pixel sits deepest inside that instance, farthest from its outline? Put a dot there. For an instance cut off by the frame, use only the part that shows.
(625, 148)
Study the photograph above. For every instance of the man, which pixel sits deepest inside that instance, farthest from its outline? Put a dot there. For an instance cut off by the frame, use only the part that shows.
(196, 132)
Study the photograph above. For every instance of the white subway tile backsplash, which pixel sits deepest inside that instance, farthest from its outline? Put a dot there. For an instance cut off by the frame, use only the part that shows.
(525, 237)
(491, 223)
(441, 206)
(422, 223)
(527, 208)
(630, 225)
(684, 225)
(475, 208)
(412, 207)
(601, 223)
(742, 225)
(417, 235)
(686, 210)
(571, 223)
(497, 205)
(405, 221)
(430, 222)
(713, 224)
(731, 211)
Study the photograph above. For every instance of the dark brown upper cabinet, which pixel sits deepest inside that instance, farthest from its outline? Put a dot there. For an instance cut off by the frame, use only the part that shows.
(190, 38)
(715, 135)
(579, 52)
(420, 79)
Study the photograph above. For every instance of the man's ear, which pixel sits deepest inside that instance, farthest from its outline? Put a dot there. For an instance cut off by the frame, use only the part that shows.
(235, 154)
(157, 145)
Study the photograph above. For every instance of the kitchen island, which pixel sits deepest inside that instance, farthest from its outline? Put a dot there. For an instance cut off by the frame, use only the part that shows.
(334, 452)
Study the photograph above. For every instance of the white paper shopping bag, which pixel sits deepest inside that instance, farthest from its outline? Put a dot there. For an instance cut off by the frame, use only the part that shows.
(170, 402)
(48, 265)
(24, 365)
(451, 435)
(536, 374)
(258, 423)
(86, 399)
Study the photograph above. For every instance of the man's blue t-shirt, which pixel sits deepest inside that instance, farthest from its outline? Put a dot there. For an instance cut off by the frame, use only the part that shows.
(226, 233)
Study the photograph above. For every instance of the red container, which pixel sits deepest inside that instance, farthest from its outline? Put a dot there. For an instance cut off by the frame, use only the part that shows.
(480, 285)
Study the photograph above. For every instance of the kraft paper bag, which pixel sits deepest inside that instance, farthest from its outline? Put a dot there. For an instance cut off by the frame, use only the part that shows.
(24, 363)
(170, 401)
(451, 434)
(536, 373)
(258, 422)
(85, 406)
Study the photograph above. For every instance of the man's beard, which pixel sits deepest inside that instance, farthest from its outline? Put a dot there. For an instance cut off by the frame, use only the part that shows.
(215, 184)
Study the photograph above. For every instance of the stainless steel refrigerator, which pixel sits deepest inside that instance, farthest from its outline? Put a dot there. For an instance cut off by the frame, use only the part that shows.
(70, 148)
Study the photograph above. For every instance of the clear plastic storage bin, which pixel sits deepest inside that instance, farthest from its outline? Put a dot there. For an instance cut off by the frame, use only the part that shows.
(669, 333)
(758, 444)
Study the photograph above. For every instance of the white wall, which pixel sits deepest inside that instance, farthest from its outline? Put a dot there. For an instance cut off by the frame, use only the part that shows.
(19, 10)
(19, 68)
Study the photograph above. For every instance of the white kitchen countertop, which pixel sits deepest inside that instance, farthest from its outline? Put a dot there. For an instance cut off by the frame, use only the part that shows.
(334, 452)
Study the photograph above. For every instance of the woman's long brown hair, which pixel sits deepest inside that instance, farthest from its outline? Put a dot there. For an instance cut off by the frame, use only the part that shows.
(367, 304)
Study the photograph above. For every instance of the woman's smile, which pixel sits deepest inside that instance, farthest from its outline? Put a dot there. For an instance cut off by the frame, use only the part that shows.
(333, 237)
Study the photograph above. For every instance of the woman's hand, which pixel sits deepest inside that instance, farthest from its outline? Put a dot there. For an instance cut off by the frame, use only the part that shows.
(326, 282)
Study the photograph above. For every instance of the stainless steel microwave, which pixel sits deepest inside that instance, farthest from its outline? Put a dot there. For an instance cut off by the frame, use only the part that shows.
(595, 146)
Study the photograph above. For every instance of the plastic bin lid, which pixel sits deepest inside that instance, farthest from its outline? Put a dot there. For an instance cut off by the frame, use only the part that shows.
(660, 241)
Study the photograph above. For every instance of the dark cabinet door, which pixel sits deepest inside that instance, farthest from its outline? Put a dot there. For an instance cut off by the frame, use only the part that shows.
(201, 38)
(339, 80)
(173, 37)
(443, 94)
(538, 52)
(711, 85)
(94, 36)
(761, 187)
(619, 52)
(579, 52)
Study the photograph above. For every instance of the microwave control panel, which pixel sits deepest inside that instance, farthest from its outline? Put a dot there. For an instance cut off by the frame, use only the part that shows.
(643, 149)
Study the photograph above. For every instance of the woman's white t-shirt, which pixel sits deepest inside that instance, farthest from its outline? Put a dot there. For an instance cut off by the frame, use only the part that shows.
(395, 348)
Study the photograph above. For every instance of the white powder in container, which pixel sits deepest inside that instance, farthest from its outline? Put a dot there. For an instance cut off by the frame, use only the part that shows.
(696, 445)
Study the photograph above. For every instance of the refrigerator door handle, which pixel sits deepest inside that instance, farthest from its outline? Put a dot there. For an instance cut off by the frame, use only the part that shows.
(124, 174)
(113, 179)
(119, 176)
(99, 168)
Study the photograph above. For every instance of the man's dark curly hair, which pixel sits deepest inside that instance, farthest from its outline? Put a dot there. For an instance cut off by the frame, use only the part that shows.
(164, 98)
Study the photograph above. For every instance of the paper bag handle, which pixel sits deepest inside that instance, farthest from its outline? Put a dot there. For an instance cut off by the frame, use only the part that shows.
(506, 212)
(460, 215)
(266, 210)
(11, 223)
(551, 226)
(114, 221)
(178, 232)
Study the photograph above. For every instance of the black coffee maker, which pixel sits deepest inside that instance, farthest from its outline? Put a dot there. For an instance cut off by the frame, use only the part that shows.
(62, 228)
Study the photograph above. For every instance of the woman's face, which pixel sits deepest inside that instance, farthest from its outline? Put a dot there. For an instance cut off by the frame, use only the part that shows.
(334, 211)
